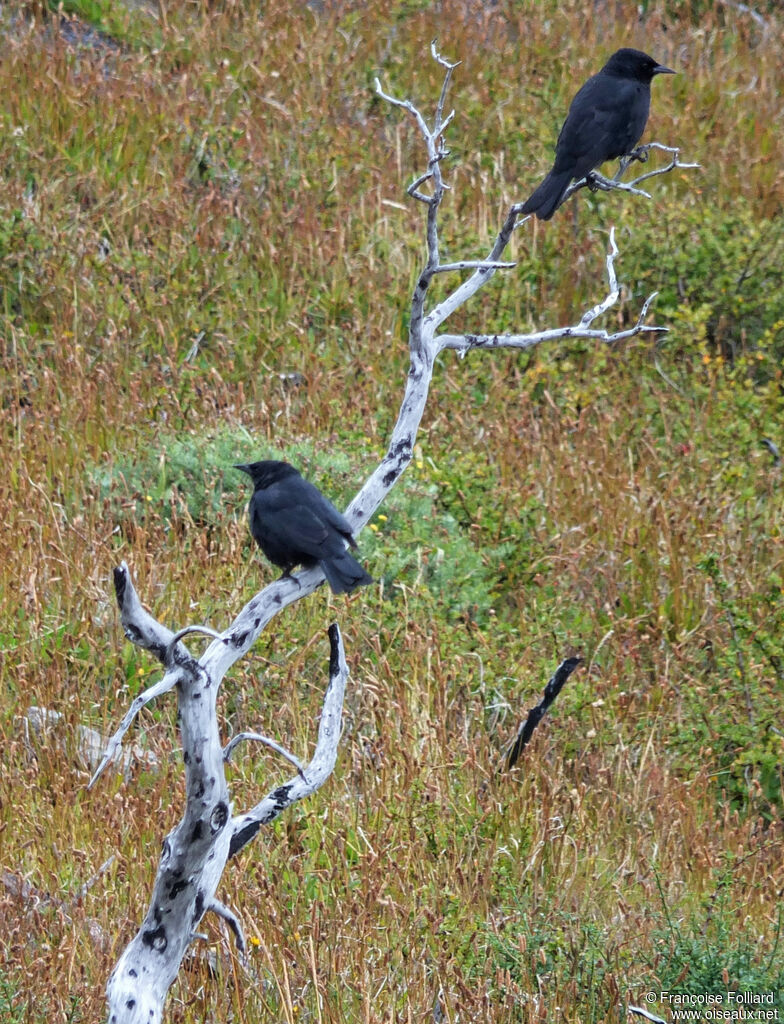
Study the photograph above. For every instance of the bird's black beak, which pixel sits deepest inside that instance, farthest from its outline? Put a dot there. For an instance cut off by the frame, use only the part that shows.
(660, 69)
(243, 466)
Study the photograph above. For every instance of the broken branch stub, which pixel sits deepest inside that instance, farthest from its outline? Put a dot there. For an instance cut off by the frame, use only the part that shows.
(195, 852)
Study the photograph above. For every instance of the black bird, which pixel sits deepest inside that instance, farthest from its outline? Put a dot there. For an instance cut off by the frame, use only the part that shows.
(606, 120)
(294, 524)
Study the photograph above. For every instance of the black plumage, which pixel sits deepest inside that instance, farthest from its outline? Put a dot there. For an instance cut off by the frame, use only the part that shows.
(606, 120)
(294, 524)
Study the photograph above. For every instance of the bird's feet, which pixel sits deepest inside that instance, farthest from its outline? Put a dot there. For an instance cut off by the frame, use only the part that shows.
(286, 575)
(638, 153)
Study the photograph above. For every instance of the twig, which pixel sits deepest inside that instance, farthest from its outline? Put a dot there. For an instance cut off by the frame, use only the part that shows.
(595, 180)
(664, 376)
(228, 915)
(640, 1012)
(85, 888)
(245, 826)
(164, 685)
(675, 163)
(448, 268)
(773, 449)
(535, 715)
(272, 744)
(186, 631)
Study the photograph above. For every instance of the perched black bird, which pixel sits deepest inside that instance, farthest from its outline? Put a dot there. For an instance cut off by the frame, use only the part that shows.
(294, 524)
(605, 122)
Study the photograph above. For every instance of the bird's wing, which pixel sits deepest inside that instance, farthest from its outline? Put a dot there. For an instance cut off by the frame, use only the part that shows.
(294, 516)
(600, 125)
(301, 529)
(327, 512)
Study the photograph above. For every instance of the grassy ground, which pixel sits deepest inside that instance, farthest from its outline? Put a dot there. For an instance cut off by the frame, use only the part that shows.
(205, 256)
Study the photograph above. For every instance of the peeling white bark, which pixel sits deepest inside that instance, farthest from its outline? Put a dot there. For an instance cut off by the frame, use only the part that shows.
(195, 853)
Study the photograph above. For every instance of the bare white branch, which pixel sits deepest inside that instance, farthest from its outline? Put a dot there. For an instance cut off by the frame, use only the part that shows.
(644, 312)
(186, 631)
(225, 913)
(598, 182)
(448, 268)
(612, 297)
(245, 826)
(406, 105)
(441, 123)
(114, 744)
(413, 188)
(195, 852)
(463, 343)
(675, 162)
(450, 66)
(445, 124)
(256, 737)
(139, 626)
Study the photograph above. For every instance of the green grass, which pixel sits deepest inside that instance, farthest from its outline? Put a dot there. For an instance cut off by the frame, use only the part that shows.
(206, 256)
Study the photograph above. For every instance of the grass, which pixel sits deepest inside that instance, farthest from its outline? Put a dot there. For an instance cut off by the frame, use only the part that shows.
(206, 256)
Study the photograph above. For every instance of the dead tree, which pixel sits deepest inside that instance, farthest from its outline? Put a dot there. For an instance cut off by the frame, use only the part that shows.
(195, 853)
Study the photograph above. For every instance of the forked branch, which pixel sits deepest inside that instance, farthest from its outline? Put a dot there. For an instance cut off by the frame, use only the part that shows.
(596, 181)
(196, 851)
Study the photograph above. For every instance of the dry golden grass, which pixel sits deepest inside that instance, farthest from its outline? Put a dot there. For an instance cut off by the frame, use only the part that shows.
(249, 187)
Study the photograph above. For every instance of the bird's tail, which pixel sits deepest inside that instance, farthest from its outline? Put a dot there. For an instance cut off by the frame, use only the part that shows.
(344, 573)
(547, 198)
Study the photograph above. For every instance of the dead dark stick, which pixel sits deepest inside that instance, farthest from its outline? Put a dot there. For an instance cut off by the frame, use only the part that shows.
(535, 715)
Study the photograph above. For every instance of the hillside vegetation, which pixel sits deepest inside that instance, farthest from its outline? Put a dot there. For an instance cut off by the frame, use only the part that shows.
(206, 256)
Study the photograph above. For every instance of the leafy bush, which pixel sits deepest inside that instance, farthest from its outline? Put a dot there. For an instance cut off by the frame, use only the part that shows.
(711, 953)
(413, 538)
(720, 277)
